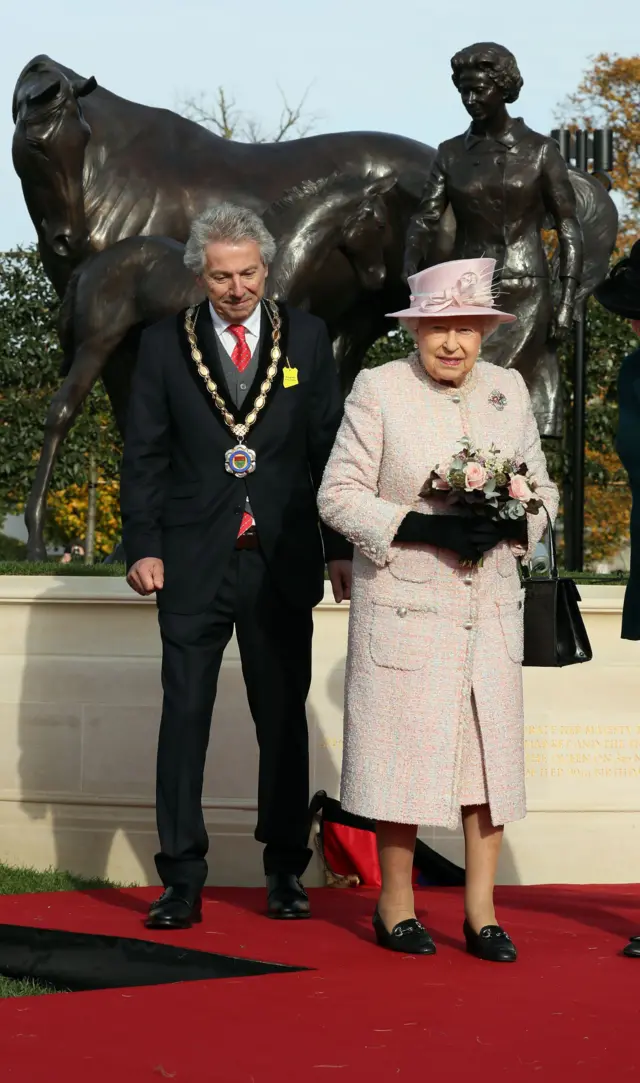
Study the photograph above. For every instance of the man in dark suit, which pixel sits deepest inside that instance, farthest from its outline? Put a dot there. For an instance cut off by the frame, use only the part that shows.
(234, 409)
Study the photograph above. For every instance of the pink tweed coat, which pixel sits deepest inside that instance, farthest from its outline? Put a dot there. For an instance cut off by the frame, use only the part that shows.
(424, 633)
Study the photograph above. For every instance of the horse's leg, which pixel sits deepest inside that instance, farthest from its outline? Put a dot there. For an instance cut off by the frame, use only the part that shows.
(65, 404)
(360, 328)
(116, 377)
(117, 381)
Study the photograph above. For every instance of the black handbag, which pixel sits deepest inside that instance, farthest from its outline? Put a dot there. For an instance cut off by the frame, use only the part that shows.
(554, 631)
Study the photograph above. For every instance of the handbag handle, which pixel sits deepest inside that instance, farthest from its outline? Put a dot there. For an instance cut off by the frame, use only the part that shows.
(553, 559)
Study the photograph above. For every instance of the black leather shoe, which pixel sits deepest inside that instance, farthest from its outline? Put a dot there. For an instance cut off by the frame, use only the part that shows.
(410, 936)
(632, 950)
(286, 897)
(491, 944)
(177, 908)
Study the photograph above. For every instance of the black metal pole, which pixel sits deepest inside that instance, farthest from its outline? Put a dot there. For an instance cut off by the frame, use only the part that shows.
(577, 496)
(582, 149)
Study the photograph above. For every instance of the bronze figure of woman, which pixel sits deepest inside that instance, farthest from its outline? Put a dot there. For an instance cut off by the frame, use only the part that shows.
(504, 184)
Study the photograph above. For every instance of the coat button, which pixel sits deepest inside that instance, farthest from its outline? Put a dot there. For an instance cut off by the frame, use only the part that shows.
(401, 612)
(455, 398)
(468, 581)
(468, 626)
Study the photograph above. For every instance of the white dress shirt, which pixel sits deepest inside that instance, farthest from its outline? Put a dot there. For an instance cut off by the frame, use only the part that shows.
(228, 339)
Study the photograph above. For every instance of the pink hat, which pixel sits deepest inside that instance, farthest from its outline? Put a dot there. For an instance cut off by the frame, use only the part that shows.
(461, 287)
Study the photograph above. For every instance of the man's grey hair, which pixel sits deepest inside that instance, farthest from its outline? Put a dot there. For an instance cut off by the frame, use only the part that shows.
(226, 222)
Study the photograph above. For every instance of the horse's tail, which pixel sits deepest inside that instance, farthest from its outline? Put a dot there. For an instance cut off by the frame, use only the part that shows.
(66, 322)
(598, 219)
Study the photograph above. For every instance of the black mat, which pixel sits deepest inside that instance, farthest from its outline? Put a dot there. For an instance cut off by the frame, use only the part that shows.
(81, 961)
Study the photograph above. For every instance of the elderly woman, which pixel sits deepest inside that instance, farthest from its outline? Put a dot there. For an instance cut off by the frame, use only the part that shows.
(434, 711)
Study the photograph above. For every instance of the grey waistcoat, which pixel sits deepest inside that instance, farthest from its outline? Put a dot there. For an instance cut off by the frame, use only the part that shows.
(240, 382)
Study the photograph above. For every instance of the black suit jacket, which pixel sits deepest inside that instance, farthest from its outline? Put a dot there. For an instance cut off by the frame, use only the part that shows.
(179, 504)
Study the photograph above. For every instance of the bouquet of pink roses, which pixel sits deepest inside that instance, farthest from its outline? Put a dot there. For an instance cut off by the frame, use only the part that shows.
(492, 483)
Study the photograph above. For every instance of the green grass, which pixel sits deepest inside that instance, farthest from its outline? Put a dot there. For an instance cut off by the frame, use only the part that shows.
(21, 881)
(11, 548)
(52, 567)
(26, 988)
(612, 579)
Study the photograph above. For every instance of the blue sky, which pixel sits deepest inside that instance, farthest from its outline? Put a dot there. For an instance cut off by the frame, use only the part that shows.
(368, 64)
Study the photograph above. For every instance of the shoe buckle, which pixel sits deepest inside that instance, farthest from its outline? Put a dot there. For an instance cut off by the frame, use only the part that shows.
(415, 926)
(494, 933)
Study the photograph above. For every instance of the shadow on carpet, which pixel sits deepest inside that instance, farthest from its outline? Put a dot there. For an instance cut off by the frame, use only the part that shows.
(76, 962)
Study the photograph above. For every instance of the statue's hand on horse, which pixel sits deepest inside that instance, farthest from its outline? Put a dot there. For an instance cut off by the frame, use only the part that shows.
(413, 256)
(563, 320)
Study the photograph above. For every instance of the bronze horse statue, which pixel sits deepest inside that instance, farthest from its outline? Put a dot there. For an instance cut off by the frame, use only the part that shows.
(114, 294)
(96, 168)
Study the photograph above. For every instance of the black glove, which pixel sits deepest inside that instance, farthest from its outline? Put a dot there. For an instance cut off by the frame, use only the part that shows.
(486, 534)
(468, 536)
(516, 530)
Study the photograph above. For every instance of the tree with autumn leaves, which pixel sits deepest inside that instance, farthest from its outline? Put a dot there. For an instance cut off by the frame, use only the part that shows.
(609, 96)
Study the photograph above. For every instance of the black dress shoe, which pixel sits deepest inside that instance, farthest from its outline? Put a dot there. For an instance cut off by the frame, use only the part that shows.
(410, 937)
(491, 944)
(177, 908)
(632, 950)
(286, 897)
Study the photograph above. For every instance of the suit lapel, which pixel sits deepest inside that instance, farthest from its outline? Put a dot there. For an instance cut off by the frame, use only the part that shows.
(264, 360)
(208, 345)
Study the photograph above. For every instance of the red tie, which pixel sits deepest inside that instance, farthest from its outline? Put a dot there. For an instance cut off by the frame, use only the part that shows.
(241, 355)
(247, 522)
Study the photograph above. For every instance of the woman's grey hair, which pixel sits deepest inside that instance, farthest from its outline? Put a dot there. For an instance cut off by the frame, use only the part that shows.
(496, 61)
(226, 222)
(489, 325)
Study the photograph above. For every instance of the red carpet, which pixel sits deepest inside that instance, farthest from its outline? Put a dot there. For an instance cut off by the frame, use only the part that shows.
(566, 1011)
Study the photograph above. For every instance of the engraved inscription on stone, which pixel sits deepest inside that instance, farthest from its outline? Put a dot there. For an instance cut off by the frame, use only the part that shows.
(587, 751)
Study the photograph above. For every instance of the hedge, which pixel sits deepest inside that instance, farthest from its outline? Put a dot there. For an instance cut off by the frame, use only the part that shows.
(118, 570)
(51, 567)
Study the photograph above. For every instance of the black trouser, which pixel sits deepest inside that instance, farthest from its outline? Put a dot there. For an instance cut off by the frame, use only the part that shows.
(275, 651)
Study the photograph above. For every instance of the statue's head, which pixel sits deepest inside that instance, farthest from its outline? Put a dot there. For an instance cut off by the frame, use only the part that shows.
(487, 76)
(49, 142)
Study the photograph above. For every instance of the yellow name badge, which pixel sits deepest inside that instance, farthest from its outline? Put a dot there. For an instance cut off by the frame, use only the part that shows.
(290, 376)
